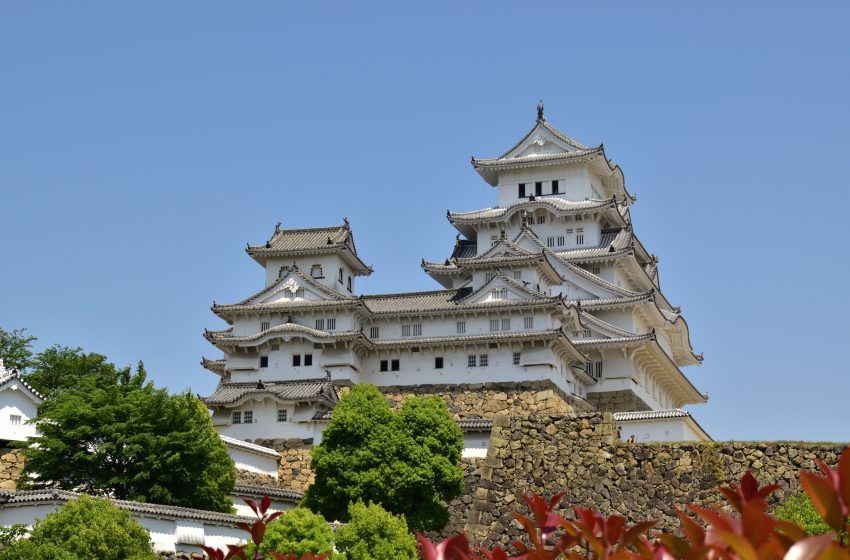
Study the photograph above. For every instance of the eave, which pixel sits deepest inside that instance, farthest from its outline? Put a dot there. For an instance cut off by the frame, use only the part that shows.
(262, 254)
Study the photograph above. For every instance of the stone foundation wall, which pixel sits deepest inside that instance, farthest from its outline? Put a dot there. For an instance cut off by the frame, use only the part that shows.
(580, 454)
(11, 465)
(294, 470)
(485, 400)
(257, 479)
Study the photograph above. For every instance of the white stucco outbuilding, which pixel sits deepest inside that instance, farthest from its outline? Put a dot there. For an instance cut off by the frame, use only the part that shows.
(19, 403)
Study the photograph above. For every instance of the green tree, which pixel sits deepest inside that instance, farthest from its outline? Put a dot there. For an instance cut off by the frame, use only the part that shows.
(800, 509)
(60, 368)
(407, 461)
(83, 529)
(375, 534)
(16, 348)
(132, 441)
(297, 532)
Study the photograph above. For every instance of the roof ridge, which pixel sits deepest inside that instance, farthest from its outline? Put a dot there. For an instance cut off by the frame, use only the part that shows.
(407, 294)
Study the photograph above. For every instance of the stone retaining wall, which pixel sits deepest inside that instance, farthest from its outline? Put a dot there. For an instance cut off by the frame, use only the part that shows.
(294, 469)
(484, 400)
(579, 454)
(11, 465)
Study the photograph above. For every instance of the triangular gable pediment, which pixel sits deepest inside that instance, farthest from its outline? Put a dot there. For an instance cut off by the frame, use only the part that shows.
(543, 139)
(528, 241)
(505, 248)
(13, 382)
(500, 289)
(293, 286)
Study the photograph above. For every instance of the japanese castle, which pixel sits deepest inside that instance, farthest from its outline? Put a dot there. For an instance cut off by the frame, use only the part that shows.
(548, 303)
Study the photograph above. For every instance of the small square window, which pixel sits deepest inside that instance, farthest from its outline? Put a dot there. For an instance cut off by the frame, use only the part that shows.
(15, 419)
(438, 362)
(528, 322)
(394, 364)
(550, 241)
(595, 270)
(555, 187)
(494, 324)
(471, 360)
(374, 332)
(320, 324)
(517, 275)
(541, 219)
(482, 360)
(331, 324)
(538, 188)
(385, 365)
(264, 326)
(308, 359)
(264, 361)
(281, 415)
(296, 360)
(248, 417)
(521, 190)
(461, 327)
(236, 417)
(506, 324)
(517, 358)
(405, 330)
(417, 329)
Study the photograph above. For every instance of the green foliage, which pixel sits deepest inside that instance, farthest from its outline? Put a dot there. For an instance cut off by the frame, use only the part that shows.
(130, 440)
(60, 368)
(375, 534)
(297, 532)
(12, 533)
(16, 348)
(83, 529)
(407, 461)
(800, 509)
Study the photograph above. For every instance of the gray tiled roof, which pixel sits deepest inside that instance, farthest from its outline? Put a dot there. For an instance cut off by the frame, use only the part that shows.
(559, 206)
(650, 415)
(464, 249)
(9, 375)
(589, 319)
(60, 496)
(613, 243)
(252, 447)
(290, 242)
(226, 336)
(475, 424)
(271, 491)
(617, 342)
(320, 390)
(604, 303)
(215, 366)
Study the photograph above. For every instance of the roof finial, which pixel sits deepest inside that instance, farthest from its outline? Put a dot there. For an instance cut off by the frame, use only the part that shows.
(540, 111)
(277, 227)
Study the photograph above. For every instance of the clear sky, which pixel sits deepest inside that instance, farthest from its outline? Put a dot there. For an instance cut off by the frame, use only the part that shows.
(143, 145)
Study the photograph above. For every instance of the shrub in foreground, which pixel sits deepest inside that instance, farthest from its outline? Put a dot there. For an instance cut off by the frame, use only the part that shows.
(84, 529)
(298, 532)
(374, 534)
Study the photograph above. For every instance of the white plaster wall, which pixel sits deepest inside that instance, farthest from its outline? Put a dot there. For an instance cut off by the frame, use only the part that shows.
(14, 401)
(668, 429)
(265, 424)
(574, 183)
(243, 509)
(253, 462)
(475, 444)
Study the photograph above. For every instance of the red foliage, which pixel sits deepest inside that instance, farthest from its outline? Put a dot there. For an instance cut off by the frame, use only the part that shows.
(749, 533)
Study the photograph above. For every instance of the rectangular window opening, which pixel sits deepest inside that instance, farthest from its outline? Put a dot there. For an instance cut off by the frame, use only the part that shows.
(394, 365)
(320, 324)
(331, 324)
(264, 361)
(438, 362)
(296, 360)
(281, 415)
(264, 326)
(384, 365)
(236, 417)
(308, 359)
(555, 186)
(471, 360)
(521, 190)
(538, 188)
(461, 327)
(248, 417)
(482, 360)
(506, 324)
(374, 332)
(517, 358)
(528, 322)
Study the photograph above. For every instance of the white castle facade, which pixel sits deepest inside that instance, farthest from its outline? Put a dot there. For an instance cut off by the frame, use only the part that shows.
(547, 297)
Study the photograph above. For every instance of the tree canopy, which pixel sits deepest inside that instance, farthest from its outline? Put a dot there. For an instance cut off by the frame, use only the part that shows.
(374, 534)
(16, 348)
(124, 437)
(60, 368)
(298, 531)
(406, 461)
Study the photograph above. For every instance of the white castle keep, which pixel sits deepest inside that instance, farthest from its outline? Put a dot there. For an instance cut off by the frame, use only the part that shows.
(550, 303)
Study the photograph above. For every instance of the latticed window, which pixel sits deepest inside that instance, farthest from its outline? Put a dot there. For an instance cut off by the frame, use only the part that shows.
(579, 236)
(595, 269)
(384, 366)
(461, 327)
(550, 241)
(308, 359)
(517, 358)
(264, 361)
(560, 241)
(517, 275)
(236, 417)
(374, 332)
(14, 419)
(331, 324)
(489, 276)
(417, 329)
(394, 365)
(438, 362)
(471, 360)
(264, 326)
(281, 415)
(506, 324)
(316, 272)
(528, 322)
(299, 293)
(248, 417)
(541, 219)
(405, 330)
(320, 324)
(482, 360)
(494, 324)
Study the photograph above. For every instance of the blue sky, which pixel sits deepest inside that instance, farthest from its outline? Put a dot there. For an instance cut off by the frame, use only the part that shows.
(142, 146)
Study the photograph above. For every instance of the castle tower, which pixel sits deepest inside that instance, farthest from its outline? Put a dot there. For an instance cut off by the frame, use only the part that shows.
(550, 304)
